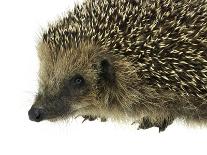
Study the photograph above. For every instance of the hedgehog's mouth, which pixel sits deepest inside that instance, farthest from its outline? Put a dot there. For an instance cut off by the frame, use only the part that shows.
(70, 114)
(38, 117)
(39, 114)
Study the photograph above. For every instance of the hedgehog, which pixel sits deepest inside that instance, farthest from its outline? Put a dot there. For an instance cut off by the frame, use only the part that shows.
(138, 61)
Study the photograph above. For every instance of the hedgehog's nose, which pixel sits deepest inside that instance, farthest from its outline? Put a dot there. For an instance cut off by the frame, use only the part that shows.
(36, 114)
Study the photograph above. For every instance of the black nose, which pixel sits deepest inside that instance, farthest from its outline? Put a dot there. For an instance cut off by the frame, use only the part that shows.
(36, 114)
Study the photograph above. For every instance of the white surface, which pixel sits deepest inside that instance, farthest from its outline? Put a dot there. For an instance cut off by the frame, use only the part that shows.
(21, 21)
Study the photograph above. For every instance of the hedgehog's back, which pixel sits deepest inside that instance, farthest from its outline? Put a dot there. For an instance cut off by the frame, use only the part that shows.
(165, 39)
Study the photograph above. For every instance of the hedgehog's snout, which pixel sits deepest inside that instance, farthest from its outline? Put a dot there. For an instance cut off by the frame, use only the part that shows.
(36, 114)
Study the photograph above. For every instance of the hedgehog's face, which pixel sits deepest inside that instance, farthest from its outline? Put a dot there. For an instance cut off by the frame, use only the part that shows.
(74, 94)
(71, 85)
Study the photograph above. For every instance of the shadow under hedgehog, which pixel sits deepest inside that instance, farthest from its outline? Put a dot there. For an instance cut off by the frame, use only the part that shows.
(143, 61)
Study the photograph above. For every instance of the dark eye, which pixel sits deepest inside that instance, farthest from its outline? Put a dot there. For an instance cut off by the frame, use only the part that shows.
(78, 80)
(73, 86)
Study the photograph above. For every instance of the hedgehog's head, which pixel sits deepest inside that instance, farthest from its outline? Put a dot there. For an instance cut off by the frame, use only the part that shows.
(79, 81)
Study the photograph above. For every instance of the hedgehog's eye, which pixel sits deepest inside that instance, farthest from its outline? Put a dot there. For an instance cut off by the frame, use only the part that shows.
(73, 85)
(78, 81)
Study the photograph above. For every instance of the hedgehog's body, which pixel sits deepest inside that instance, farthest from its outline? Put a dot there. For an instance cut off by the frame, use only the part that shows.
(139, 59)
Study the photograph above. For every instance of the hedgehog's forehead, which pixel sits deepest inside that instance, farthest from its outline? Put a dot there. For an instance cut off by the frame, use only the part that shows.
(56, 65)
(73, 61)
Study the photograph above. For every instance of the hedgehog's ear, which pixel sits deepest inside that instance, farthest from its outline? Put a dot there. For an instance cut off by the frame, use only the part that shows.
(107, 73)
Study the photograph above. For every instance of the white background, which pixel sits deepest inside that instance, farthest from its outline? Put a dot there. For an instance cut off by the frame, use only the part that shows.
(20, 23)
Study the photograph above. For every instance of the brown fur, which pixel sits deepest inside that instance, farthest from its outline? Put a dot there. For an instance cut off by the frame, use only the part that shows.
(131, 97)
